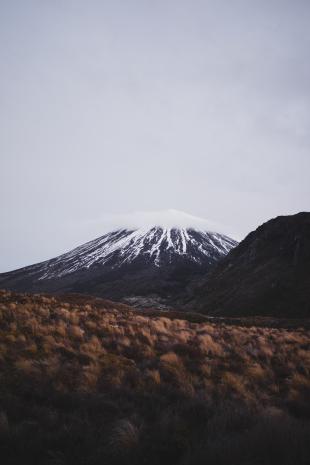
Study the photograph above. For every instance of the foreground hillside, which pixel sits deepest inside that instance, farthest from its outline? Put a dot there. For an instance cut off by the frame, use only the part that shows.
(92, 382)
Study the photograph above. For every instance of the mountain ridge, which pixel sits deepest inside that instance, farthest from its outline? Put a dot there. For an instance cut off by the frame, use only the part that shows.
(268, 273)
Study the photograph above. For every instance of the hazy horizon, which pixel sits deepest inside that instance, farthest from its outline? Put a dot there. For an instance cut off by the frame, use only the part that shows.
(114, 108)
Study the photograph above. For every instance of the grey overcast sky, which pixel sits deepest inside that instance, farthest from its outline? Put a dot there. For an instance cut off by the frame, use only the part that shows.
(109, 107)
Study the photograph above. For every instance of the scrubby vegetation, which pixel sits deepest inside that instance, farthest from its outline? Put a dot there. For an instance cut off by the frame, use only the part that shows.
(87, 381)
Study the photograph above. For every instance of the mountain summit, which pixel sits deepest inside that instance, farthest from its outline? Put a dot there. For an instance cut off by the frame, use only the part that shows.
(157, 247)
(154, 260)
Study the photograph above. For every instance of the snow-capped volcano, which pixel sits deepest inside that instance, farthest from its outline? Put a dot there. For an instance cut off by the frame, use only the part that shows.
(157, 245)
(155, 259)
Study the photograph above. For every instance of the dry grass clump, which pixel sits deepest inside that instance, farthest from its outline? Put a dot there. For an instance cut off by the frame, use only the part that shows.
(257, 372)
(208, 345)
(171, 358)
(235, 384)
(124, 436)
(76, 332)
(153, 375)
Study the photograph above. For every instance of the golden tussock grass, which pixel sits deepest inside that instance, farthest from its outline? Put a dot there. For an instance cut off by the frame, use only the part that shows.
(89, 381)
(118, 346)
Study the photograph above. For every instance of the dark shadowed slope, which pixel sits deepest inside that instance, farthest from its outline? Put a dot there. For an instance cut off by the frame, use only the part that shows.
(268, 273)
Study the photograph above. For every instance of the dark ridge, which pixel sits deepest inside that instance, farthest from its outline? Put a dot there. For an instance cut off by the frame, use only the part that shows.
(267, 274)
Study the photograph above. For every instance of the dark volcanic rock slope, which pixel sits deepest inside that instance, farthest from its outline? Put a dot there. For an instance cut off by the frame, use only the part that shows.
(154, 263)
(268, 273)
